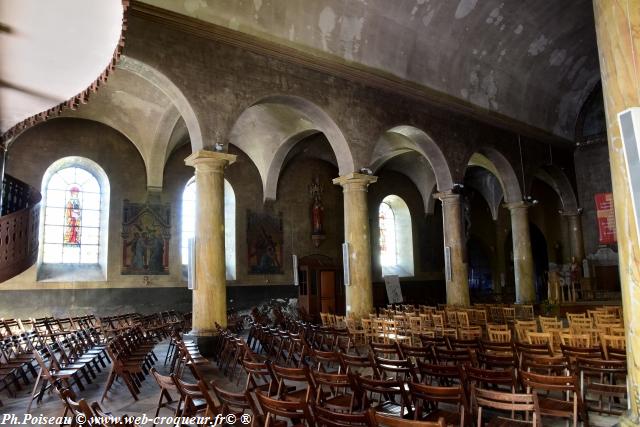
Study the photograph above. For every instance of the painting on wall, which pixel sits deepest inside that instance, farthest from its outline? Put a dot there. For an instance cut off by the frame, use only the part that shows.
(264, 243)
(146, 230)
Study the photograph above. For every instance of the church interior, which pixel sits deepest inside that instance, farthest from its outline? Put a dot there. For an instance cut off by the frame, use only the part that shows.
(332, 212)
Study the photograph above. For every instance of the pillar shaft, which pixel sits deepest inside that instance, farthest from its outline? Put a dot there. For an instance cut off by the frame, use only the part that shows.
(210, 293)
(576, 239)
(359, 293)
(617, 24)
(454, 239)
(522, 255)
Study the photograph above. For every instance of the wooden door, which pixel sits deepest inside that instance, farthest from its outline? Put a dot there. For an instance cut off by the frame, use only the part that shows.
(328, 291)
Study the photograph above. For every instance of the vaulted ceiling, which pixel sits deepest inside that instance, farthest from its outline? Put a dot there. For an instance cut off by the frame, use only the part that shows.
(534, 61)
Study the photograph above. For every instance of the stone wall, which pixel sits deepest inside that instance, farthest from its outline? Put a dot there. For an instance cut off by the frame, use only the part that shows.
(593, 175)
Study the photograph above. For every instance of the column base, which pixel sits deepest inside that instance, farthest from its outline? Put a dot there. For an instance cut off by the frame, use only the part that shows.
(207, 342)
(627, 420)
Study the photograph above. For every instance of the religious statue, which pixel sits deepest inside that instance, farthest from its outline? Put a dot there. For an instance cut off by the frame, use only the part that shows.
(317, 212)
(72, 217)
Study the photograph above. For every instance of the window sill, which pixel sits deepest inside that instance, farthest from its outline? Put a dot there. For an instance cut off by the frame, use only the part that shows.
(70, 273)
(396, 270)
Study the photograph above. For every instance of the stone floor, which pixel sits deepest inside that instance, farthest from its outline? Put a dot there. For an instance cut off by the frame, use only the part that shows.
(119, 401)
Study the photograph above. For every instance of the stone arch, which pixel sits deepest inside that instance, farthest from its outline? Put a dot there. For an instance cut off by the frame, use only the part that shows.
(268, 129)
(555, 178)
(496, 163)
(162, 82)
(401, 141)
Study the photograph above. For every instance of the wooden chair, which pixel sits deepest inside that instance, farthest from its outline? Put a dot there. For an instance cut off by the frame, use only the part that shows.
(328, 418)
(237, 404)
(548, 405)
(499, 336)
(524, 312)
(378, 419)
(426, 398)
(440, 374)
(539, 338)
(301, 375)
(355, 364)
(415, 353)
(392, 395)
(334, 392)
(51, 375)
(504, 402)
(485, 377)
(165, 400)
(297, 412)
(470, 333)
(604, 379)
(523, 327)
(614, 342)
(79, 408)
(575, 340)
(396, 369)
(547, 365)
(389, 350)
(195, 399)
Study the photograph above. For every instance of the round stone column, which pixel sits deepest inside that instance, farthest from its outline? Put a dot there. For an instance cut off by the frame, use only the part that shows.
(359, 293)
(210, 293)
(457, 270)
(576, 240)
(522, 255)
(617, 24)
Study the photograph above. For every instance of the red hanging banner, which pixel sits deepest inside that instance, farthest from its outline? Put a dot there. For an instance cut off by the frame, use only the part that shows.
(606, 218)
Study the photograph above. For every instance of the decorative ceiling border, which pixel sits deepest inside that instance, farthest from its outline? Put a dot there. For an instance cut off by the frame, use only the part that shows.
(333, 65)
(75, 101)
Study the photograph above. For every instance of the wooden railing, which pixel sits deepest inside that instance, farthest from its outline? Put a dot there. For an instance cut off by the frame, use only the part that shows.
(19, 225)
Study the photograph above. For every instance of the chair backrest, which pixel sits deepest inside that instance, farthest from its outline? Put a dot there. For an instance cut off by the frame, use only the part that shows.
(366, 388)
(402, 369)
(378, 419)
(390, 350)
(421, 393)
(499, 336)
(77, 407)
(557, 365)
(442, 374)
(294, 410)
(284, 373)
(423, 353)
(481, 377)
(576, 340)
(540, 338)
(535, 381)
(504, 402)
(470, 333)
(356, 364)
(326, 418)
(235, 403)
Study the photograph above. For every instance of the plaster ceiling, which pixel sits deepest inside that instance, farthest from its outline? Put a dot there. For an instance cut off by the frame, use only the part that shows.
(533, 61)
(50, 51)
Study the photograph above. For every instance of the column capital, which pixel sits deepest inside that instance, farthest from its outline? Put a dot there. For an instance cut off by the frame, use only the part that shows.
(517, 205)
(447, 197)
(210, 160)
(355, 181)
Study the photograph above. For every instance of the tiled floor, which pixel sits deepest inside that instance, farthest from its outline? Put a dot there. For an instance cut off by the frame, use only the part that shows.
(119, 401)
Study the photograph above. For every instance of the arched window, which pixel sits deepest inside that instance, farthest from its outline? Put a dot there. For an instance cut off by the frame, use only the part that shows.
(74, 221)
(388, 248)
(189, 224)
(396, 237)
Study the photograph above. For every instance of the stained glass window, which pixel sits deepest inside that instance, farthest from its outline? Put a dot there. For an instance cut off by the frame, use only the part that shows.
(72, 217)
(388, 241)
